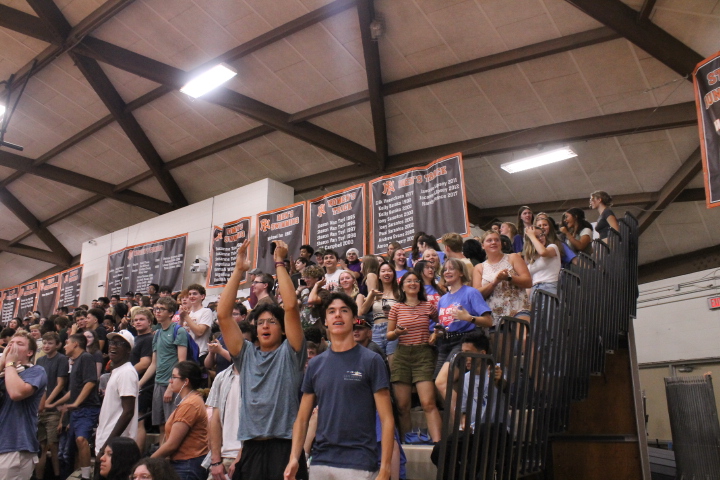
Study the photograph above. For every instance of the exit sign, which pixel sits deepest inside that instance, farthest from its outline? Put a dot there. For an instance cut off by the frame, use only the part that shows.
(714, 302)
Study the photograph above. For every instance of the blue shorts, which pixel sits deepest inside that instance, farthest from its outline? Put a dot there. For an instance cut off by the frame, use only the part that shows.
(379, 336)
(83, 421)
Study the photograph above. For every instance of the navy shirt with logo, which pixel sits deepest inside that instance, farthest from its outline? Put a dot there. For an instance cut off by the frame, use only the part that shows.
(344, 384)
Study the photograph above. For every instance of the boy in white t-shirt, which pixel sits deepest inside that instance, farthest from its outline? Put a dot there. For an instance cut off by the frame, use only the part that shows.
(198, 320)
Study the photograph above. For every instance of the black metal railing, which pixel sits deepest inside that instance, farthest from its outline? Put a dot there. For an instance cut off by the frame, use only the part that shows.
(546, 364)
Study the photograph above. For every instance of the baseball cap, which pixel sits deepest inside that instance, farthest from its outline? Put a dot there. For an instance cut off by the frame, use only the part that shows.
(126, 335)
(360, 323)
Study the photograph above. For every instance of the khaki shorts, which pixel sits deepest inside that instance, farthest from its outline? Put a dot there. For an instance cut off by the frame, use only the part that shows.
(412, 364)
(17, 465)
(47, 427)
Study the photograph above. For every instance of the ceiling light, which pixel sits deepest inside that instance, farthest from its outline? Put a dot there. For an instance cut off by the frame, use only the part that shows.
(2, 110)
(538, 160)
(208, 80)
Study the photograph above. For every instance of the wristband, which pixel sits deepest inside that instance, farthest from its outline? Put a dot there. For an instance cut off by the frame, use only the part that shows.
(279, 264)
(216, 464)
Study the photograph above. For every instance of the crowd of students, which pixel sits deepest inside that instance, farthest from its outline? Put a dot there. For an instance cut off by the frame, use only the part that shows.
(311, 376)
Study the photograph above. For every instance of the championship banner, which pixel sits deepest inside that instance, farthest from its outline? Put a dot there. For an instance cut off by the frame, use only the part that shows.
(69, 294)
(286, 224)
(706, 79)
(27, 299)
(337, 220)
(48, 296)
(9, 302)
(223, 250)
(429, 199)
(134, 268)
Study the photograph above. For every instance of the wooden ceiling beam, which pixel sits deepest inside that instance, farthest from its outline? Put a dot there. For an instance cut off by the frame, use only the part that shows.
(371, 54)
(83, 182)
(646, 10)
(26, 24)
(49, 12)
(173, 77)
(615, 124)
(34, 253)
(646, 35)
(625, 123)
(53, 270)
(21, 212)
(670, 191)
(113, 101)
(87, 25)
(478, 65)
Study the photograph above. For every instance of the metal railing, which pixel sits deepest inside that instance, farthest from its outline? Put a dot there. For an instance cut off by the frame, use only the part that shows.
(546, 364)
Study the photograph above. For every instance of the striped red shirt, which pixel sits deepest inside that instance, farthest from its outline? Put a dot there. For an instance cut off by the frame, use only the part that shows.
(416, 319)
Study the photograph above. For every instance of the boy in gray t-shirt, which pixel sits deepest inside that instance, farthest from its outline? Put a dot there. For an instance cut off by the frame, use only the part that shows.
(270, 374)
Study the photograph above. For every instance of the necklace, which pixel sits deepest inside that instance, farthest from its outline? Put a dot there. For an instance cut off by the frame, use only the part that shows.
(182, 399)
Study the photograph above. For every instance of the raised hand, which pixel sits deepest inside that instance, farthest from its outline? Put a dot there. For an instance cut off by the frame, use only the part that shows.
(242, 262)
(281, 251)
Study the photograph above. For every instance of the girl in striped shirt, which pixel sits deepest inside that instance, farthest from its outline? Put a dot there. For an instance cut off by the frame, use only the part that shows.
(414, 362)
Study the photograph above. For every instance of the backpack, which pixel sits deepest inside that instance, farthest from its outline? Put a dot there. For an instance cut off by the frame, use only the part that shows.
(193, 351)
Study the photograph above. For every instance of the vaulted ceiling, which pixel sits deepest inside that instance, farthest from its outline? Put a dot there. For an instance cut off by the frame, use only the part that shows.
(317, 103)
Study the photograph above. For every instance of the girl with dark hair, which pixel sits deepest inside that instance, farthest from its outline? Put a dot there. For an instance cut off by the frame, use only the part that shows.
(473, 251)
(577, 230)
(379, 302)
(427, 242)
(369, 274)
(525, 219)
(153, 469)
(426, 271)
(392, 246)
(602, 202)
(415, 252)
(125, 453)
(414, 364)
(186, 435)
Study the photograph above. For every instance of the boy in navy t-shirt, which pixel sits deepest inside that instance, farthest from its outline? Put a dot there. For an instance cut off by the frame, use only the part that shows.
(349, 383)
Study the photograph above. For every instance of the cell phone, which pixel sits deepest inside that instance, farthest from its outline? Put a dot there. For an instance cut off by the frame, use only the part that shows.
(302, 282)
(273, 246)
(439, 327)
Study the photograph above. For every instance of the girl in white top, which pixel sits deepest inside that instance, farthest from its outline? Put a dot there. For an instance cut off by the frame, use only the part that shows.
(542, 254)
(502, 279)
(577, 230)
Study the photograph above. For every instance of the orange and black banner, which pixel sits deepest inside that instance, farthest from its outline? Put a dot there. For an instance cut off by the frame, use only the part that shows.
(69, 294)
(430, 199)
(223, 250)
(9, 303)
(134, 268)
(706, 79)
(286, 224)
(48, 296)
(27, 299)
(336, 221)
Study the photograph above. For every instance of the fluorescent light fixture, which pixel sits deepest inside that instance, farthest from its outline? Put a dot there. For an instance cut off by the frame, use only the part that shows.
(2, 110)
(208, 80)
(538, 160)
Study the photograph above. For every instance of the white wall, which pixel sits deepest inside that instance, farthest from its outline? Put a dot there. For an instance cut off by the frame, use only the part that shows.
(196, 220)
(673, 320)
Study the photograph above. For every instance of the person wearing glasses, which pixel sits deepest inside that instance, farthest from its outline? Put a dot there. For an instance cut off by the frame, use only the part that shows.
(414, 364)
(153, 469)
(186, 442)
(168, 349)
(262, 287)
(270, 374)
(542, 254)
(119, 411)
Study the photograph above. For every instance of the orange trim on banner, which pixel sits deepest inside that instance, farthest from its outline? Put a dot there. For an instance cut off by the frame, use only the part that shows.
(361, 186)
(257, 227)
(210, 261)
(701, 131)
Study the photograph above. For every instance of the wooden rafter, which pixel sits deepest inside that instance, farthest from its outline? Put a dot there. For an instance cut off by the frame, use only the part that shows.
(670, 191)
(34, 253)
(114, 102)
(83, 182)
(173, 77)
(30, 221)
(625, 123)
(25, 23)
(470, 67)
(646, 35)
(371, 53)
